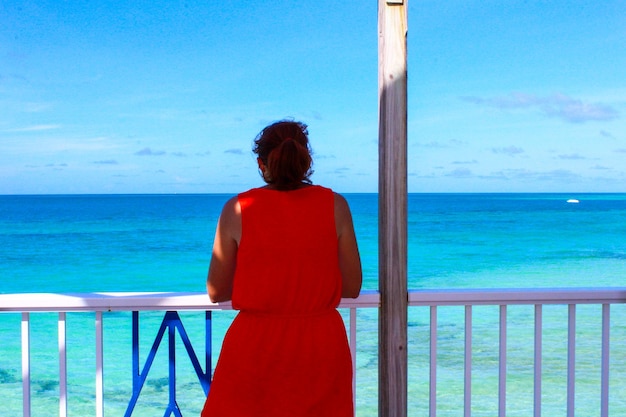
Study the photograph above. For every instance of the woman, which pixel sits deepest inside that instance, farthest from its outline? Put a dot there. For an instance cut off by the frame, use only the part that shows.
(285, 254)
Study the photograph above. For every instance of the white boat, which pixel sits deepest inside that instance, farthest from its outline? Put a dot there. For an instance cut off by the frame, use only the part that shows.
(573, 200)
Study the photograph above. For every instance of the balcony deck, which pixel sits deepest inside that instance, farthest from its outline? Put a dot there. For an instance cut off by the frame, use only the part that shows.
(468, 349)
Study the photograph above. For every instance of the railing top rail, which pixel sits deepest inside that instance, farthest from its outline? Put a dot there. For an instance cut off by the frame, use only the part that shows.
(498, 296)
(129, 301)
(108, 301)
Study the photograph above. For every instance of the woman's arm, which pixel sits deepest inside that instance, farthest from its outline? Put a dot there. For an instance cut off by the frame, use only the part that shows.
(349, 258)
(224, 256)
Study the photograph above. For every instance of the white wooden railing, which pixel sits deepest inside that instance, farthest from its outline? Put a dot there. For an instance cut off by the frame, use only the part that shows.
(431, 299)
(538, 298)
(108, 302)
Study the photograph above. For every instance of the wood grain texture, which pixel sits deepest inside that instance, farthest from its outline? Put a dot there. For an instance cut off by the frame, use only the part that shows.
(392, 188)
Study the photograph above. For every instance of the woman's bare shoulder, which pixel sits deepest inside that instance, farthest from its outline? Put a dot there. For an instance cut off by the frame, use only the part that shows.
(343, 217)
(230, 219)
(340, 202)
(231, 204)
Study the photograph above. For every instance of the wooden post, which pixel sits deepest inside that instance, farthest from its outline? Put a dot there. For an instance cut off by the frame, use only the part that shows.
(392, 204)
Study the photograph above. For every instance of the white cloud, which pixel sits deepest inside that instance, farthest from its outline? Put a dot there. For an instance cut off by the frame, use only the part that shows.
(149, 152)
(524, 174)
(46, 145)
(432, 144)
(557, 105)
(508, 150)
(573, 156)
(600, 167)
(35, 128)
(460, 173)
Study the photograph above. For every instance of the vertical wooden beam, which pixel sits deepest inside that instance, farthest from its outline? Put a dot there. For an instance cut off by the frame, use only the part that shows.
(392, 194)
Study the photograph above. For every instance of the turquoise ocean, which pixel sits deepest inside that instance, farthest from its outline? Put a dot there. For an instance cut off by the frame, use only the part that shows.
(109, 243)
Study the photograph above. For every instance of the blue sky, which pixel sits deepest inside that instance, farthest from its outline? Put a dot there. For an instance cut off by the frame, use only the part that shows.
(163, 96)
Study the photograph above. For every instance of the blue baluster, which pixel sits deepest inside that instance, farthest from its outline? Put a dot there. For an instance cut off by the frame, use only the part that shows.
(171, 322)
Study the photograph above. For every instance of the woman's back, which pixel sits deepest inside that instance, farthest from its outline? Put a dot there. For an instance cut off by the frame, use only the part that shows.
(287, 258)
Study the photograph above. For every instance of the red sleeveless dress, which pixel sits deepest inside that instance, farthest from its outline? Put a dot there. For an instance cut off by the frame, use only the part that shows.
(286, 353)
